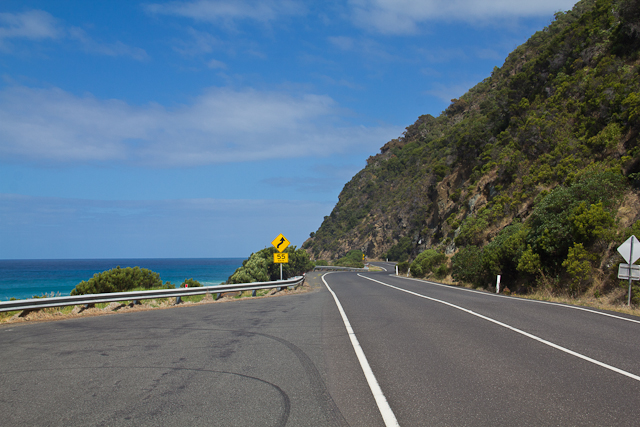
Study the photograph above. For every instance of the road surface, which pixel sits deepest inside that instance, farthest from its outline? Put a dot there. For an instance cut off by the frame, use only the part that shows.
(439, 355)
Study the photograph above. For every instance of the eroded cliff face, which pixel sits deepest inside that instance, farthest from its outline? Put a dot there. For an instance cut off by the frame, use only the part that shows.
(431, 218)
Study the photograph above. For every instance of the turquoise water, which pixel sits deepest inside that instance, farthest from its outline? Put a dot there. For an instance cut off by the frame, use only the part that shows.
(26, 278)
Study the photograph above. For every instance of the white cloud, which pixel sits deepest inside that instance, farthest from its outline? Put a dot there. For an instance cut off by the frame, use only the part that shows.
(406, 16)
(215, 64)
(228, 12)
(219, 126)
(199, 43)
(343, 43)
(32, 25)
(110, 49)
(40, 25)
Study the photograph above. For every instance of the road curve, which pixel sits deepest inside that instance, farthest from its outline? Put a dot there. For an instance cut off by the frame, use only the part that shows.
(441, 355)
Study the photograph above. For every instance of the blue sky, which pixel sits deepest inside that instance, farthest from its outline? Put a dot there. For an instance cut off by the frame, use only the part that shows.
(205, 128)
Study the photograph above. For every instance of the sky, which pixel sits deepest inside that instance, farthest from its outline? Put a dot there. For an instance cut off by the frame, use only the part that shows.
(204, 128)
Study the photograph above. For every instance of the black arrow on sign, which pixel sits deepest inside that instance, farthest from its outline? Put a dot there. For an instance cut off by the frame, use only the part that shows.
(281, 242)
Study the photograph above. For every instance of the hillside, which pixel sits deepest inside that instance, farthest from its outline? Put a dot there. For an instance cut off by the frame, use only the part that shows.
(533, 173)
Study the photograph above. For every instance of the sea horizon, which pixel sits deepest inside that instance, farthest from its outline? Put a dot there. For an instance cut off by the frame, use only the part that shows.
(26, 278)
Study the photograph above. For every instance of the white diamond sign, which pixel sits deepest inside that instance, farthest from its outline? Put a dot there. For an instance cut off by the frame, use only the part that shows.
(630, 250)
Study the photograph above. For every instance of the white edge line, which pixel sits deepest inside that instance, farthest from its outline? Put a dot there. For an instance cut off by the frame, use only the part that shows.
(519, 299)
(388, 416)
(526, 334)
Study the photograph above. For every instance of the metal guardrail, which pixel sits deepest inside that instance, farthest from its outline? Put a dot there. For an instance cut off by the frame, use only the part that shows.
(338, 268)
(37, 303)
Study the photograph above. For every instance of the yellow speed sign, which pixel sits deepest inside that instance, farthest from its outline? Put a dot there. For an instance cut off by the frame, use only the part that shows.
(281, 258)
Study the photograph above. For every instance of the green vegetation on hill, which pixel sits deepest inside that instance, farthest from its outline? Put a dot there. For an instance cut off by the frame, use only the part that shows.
(259, 267)
(533, 173)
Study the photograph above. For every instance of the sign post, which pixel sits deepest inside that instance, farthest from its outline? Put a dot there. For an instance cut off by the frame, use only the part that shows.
(631, 255)
(280, 243)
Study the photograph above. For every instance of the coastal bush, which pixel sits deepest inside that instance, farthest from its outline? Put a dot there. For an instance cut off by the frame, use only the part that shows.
(259, 267)
(466, 265)
(426, 262)
(401, 250)
(353, 259)
(442, 271)
(578, 265)
(120, 280)
(403, 267)
(192, 283)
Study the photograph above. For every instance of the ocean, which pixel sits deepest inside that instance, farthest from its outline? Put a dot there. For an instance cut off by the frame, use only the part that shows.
(27, 278)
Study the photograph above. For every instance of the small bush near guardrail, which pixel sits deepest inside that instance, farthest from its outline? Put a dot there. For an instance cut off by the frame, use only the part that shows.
(192, 283)
(121, 280)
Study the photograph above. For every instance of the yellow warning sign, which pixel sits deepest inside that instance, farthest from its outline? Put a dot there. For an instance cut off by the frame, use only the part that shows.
(280, 243)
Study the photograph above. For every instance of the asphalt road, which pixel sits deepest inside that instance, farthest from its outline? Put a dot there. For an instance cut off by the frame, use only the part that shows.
(440, 355)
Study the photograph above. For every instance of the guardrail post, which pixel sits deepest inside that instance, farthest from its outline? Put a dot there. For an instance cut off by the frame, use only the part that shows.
(253, 293)
(218, 296)
(178, 300)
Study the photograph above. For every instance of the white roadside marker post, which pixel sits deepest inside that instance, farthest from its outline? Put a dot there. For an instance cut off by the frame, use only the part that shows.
(627, 252)
(498, 285)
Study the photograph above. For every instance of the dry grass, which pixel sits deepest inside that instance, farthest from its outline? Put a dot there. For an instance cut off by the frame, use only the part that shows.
(610, 301)
(607, 302)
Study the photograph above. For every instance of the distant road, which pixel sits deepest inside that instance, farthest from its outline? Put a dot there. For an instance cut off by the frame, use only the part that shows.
(440, 356)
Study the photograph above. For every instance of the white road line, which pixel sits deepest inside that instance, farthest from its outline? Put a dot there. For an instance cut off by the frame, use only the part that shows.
(388, 416)
(526, 334)
(521, 299)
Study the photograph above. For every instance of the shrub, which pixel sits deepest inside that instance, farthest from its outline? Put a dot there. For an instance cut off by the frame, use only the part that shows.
(353, 258)
(259, 267)
(192, 283)
(441, 272)
(578, 265)
(401, 250)
(403, 267)
(426, 262)
(466, 265)
(501, 255)
(591, 223)
(119, 280)
(529, 262)
(254, 269)
(573, 214)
